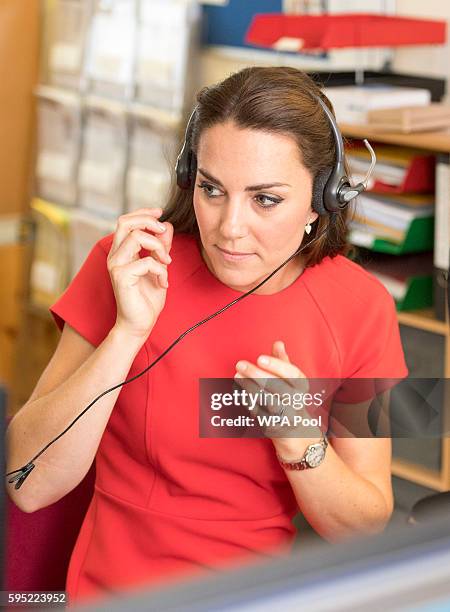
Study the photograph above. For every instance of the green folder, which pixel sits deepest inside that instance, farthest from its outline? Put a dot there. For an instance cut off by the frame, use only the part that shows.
(419, 294)
(418, 283)
(419, 237)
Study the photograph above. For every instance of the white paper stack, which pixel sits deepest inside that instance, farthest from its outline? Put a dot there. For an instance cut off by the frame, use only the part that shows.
(154, 143)
(85, 229)
(167, 41)
(353, 102)
(111, 49)
(103, 162)
(66, 27)
(58, 147)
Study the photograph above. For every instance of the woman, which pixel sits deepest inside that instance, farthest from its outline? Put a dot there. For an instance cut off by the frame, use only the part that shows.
(167, 502)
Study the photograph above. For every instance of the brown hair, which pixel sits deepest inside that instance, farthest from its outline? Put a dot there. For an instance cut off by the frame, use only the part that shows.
(273, 99)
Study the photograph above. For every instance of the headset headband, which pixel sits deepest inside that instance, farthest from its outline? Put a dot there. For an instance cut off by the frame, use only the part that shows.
(332, 191)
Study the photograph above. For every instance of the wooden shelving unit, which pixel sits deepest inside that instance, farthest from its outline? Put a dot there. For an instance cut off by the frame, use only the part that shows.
(434, 142)
(423, 319)
(419, 474)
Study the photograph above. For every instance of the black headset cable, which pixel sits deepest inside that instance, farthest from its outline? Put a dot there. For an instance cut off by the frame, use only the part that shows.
(22, 473)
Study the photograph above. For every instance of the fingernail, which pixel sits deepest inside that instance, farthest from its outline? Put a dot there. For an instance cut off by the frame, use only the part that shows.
(169, 258)
(238, 376)
(263, 359)
(241, 365)
(161, 226)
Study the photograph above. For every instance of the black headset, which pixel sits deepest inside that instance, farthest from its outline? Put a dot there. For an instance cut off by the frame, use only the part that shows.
(332, 191)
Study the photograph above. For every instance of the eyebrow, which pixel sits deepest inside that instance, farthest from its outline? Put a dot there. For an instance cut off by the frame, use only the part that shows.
(251, 188)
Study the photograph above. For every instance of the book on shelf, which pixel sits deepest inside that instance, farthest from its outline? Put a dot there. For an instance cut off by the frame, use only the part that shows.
(378, 229)
(398, 169)
(390, 212)
(416, 238)
(419, 200)
(405, 224)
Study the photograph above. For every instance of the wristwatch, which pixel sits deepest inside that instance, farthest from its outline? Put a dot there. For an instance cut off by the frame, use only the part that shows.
(313, 456)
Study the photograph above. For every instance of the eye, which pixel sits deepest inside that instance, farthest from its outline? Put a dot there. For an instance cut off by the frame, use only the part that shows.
(272, 201)
(264, 201)
(207, 189)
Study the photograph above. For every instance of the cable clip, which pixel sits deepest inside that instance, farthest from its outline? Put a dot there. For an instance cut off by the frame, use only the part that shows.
(22, 475)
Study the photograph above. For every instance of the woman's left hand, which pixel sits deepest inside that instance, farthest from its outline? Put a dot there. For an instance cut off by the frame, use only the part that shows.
(276, 374)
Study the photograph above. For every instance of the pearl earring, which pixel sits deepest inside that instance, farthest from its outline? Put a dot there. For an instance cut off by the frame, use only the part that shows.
(308, 227)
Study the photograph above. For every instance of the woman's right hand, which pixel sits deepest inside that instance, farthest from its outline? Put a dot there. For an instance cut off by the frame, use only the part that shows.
(140, 284)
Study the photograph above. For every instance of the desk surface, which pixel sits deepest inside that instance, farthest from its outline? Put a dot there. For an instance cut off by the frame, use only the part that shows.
(432, 141)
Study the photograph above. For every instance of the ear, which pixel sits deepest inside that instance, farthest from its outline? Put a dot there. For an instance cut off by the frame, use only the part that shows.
(312, 215)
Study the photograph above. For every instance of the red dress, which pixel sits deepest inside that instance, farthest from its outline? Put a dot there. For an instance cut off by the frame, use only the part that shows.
(168, 503)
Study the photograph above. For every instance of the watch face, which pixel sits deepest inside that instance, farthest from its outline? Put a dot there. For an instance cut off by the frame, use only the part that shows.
(315, 455)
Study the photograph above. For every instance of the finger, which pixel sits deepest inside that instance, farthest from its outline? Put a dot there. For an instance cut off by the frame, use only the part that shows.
(284, 370)
(156, 270)
(167, 236)
(267, 391)
(250, 370)
(132, 245)
(127, 223)
(129, 274)
(278, 367)
(124, 227)
(279, 350)
(253, 388)
(265, 380)
(248, 384)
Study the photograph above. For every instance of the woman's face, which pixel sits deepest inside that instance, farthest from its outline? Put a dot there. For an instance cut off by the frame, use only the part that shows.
(252, 196)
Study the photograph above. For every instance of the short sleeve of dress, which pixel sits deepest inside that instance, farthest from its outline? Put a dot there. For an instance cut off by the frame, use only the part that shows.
(88, 304)
(375, 352)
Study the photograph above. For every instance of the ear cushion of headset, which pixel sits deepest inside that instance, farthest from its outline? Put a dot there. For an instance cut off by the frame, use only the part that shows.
(186, 173)
(182, 172)
(192, 167)
(318, 188)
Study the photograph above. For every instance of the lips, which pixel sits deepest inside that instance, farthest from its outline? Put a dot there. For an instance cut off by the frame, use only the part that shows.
(233, 252)
(234, 256)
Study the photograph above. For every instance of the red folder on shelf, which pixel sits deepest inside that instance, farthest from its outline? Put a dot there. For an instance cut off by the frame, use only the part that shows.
(343, 30)
(419, 178)
(397, 171)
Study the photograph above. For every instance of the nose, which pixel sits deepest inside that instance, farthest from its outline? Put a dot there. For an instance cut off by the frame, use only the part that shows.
(233, 221)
